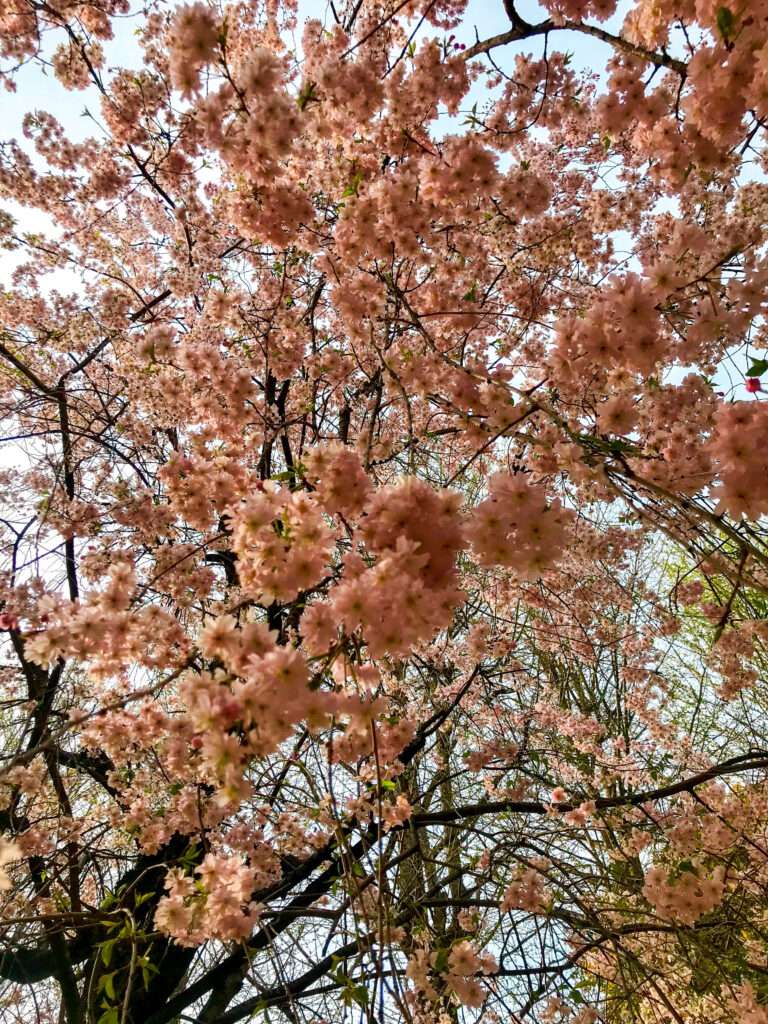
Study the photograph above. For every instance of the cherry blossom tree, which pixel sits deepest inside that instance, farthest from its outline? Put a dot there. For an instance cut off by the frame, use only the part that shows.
(385, 568)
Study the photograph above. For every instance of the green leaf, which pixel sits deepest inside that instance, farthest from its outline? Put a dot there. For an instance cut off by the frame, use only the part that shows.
(353, 186)
(360, 995)
(106, 951)
(471, 295)
(686, 865)
(190, 855)
(388, 784)
(110, 1016)
(107, 983)
(759, 367)
(147, 970)
(725, 23)
(441, 960)
(306, 95)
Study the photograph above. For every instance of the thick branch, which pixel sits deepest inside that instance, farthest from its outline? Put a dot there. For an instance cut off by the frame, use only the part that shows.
(744, 763)
(523, 30)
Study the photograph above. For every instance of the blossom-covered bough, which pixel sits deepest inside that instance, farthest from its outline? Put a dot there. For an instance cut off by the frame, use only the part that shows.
(385, 583)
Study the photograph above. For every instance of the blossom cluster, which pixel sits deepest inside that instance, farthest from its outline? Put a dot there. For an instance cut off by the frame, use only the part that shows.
(460, 970)
(518, 527)
(742, 459)
(282, 542)
(216, 904)
(527, 891)
(409, 592)
(685, 898)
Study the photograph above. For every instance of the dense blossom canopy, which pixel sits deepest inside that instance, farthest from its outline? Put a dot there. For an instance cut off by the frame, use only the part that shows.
(384, 584)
